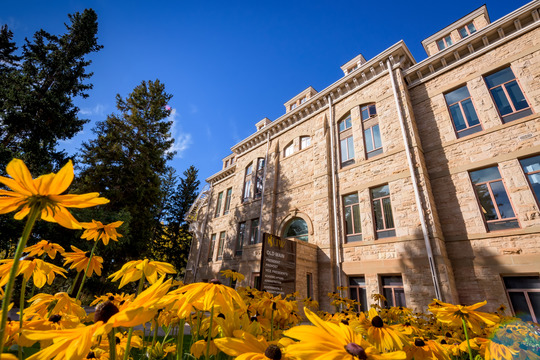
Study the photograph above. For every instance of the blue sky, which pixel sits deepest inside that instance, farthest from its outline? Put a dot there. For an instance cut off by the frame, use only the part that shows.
(229, 64)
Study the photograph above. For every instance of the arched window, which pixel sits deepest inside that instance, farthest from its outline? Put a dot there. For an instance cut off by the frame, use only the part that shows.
(297, 229)
(289, 149)
(346, 142)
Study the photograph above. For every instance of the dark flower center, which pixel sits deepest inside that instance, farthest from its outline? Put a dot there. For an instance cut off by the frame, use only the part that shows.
(377, 322)
(111, 298)
(407, 324)
(87, 254)
(448, 334)
(91, 355)
(419, 342)
(273, 352)
(356, 350)
(55, 318)
(104, 311)
(443, 342)
(215, 282)
(220, 315)
(345, 321)
(117, 340)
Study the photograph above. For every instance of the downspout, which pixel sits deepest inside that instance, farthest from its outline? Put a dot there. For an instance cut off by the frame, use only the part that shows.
(264, 185)
(432, 268)
(334, 195)
(202, 234)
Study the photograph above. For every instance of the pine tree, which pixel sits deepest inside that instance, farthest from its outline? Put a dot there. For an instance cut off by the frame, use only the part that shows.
(127, 161)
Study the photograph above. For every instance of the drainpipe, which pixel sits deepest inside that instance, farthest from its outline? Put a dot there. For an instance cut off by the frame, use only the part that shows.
(203, 229)
(431, 260)
(264, 185)
(334, 191)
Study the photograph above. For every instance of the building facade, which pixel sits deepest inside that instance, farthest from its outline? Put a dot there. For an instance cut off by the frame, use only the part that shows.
(415, 180)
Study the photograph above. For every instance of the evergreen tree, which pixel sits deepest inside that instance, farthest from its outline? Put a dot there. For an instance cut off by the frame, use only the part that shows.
(127, 161)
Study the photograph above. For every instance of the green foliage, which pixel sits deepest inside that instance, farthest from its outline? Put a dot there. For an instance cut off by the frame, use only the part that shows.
(126, 163)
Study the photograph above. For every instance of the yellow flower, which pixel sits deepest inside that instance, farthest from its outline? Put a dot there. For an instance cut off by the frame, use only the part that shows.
(327, 340)
(67, 344)
(245, 346)
(43, 192)
(426, 350)
(46, 304)
(80, 260)
(493, 350)
(205, 296)
(44, 246)
(454, 314)
(198, 348)
(41, 271)
(231, 274)
(134, 271)
(383, 336)
(95, 230)
(116, 299)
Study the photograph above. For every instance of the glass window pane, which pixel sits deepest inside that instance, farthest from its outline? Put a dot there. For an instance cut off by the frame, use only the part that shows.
(486, 204)
(457, 117)
(363, 299)
(502, 200)
(350, 147)
(348, 122)
(350, 199)
(356, 219)
(448, 40)
(341, 126)
(298, 229)
(372, 110)
(531, 164)
(389, 297)
(440, 44)
(501, 101)
(348, 220)
(471, 28)
(516, 96)
(519, 303)
(377, 136)
(380, 191)
(522, 282)
(343, 148)
(387, 208)
(470, 113)
(457, 95)
(534, 298)
(483, 175)
(392, 281)
(463, 32)
(379, 224)
(365, 112)
(357, 280)
(368, 139)
(400, 297)
(499, 77)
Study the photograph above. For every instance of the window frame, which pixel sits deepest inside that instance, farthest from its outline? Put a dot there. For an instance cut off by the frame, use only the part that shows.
(445, 40)
(221, 245)
(228, 196)
(363, 306)
(218, 204)
(344, 121)
(495, 205)
(536, 196)
(535, 317)
(240, 238)
(259, 178)
(288, 150)
(371, 110)
(211, 246)
(309, 285)
(376, 150)
(248, 183)
(254, 232)
(467, 30)
(469, 130)
(385, 232)
(302, 145)
(354, 234)
(350, 157)
(393, 289)
(515, 114)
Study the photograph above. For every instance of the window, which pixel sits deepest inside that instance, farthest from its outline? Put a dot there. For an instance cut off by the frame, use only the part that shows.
(357, 291)
(221, 245)
(345, 124)
(226, 163)
(467, 30)
(218, 204)
(393, 291)
(248, 182)
(254, 232)
(368, 111)
(293, 106)
(227, 201)
(462, 112)
(305, 141)
(507, 95)
(259, 178)
(382, 211)
(211, 247)
(303, 100)
(297, 229)
(309, 285)
(531, 167)
(352, 218)
(372, 132)
(289, 150)
(347, 151)
(494, 202)
(524, 295)
(444, 42)
(240, 238)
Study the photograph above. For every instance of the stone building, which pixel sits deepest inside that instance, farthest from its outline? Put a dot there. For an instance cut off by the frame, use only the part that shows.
(415, 180)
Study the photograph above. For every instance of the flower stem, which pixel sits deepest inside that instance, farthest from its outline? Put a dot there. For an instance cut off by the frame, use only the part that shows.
(86, 270)
(467, 337)
(112, 345)
(272, 325)
(32, 217)
(130, 332)
(21, 312)
(209, 337)
(180, 340)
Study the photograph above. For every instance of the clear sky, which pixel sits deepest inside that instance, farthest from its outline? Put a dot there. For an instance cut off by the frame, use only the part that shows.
(229, 64)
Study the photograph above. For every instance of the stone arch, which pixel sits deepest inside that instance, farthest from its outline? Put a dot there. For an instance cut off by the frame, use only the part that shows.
(292, 216)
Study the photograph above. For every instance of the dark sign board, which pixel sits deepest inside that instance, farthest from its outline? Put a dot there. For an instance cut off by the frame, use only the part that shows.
(278, 265)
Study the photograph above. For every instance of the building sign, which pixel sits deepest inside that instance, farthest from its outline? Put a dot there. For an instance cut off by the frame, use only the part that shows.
(278, 265)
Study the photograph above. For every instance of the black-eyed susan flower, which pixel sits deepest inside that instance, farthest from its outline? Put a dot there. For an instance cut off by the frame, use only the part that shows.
(494, 350)
(205, 296)
(456, 314)
(326, 340)
(44, 193)
(381, 335)
(135, 270)
(44, 247)
(96, 231)
(245, 346)
(80, 259)
(40, 271)
(422, 349)
(198, 348)
(233, 275)
(45, 305)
